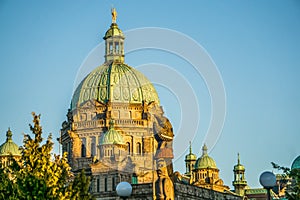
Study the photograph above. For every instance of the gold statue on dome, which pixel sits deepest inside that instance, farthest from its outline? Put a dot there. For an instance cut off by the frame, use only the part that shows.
(114, 15)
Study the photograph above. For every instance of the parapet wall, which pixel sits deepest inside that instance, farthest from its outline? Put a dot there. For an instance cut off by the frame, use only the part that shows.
(182, 192)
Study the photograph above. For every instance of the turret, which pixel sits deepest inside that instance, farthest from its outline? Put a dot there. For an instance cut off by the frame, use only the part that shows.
(114, 41)
(239, 181)
(112, 143)
(190, 160)
(9, 148)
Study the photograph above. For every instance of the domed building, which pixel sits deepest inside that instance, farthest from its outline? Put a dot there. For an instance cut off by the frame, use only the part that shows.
(116, 131)
(8, 149)
(205, 172)
(296, 163)
(115, 128)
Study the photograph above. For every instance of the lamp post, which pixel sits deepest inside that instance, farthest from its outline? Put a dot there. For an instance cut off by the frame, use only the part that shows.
(268, 181)
(124, 190)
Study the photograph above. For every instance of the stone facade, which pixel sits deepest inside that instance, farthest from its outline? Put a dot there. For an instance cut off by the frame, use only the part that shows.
(191, 192)
(202, 172)
(116, 131)
(182, 192)
(137, 124)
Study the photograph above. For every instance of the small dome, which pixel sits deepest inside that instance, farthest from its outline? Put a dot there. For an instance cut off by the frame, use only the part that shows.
(9, 147)
(111, 136)
(115, 82)
(296, 163)
(190, 156)
(113, 31)
(239, 166)
(205, 161)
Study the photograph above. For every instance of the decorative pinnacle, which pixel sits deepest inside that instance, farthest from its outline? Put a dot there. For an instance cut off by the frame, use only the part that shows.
(8, 134)
(114, 15)
(190, 147)
(204, 149)
(111, 124)
(238, 158)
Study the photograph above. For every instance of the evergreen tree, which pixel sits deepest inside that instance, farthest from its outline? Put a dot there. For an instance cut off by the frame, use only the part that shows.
(8, 190)
(293, 192)
(41, 175)
(81, 185)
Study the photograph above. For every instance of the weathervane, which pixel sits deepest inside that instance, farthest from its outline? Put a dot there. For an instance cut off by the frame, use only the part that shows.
(114, 15)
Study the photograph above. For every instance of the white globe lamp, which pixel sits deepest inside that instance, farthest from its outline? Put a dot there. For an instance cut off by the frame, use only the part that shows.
(268, 181)
(124, 190)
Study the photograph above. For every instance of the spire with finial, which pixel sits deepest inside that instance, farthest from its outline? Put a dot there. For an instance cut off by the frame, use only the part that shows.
(111, 124)
(190, 156)
(239, 181)
(204, 149)
(239, 166)
(190, 160)
(8, 135)
(114, 41)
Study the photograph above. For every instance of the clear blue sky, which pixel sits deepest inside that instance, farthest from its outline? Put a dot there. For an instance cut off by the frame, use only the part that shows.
(255, 45)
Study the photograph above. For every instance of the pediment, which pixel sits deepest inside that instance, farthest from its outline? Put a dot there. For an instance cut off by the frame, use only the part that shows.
(100, 167)
(108, 165)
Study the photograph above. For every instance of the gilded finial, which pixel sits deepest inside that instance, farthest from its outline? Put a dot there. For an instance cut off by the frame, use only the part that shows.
(190, 147)
(238, 158)
(204, 149)
(114, 15)
(8, 134)
(111, 123)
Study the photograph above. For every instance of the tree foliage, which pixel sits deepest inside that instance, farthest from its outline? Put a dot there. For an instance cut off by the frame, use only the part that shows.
(293, 192)
(41, 175)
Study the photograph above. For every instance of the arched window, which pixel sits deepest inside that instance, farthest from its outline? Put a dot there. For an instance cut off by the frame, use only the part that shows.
(113, 184)
(69, 150)
(128, 148)
(98, 184)
(110, 48)
(93, 146)
(138, 148)
(117, 47)
(83, 147)
(105, 184)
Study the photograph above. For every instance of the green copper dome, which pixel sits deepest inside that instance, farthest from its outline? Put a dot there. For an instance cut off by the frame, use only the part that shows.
(112, 136)
(296, 163)
(205, 161)
(9, 147)
(115, 82)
